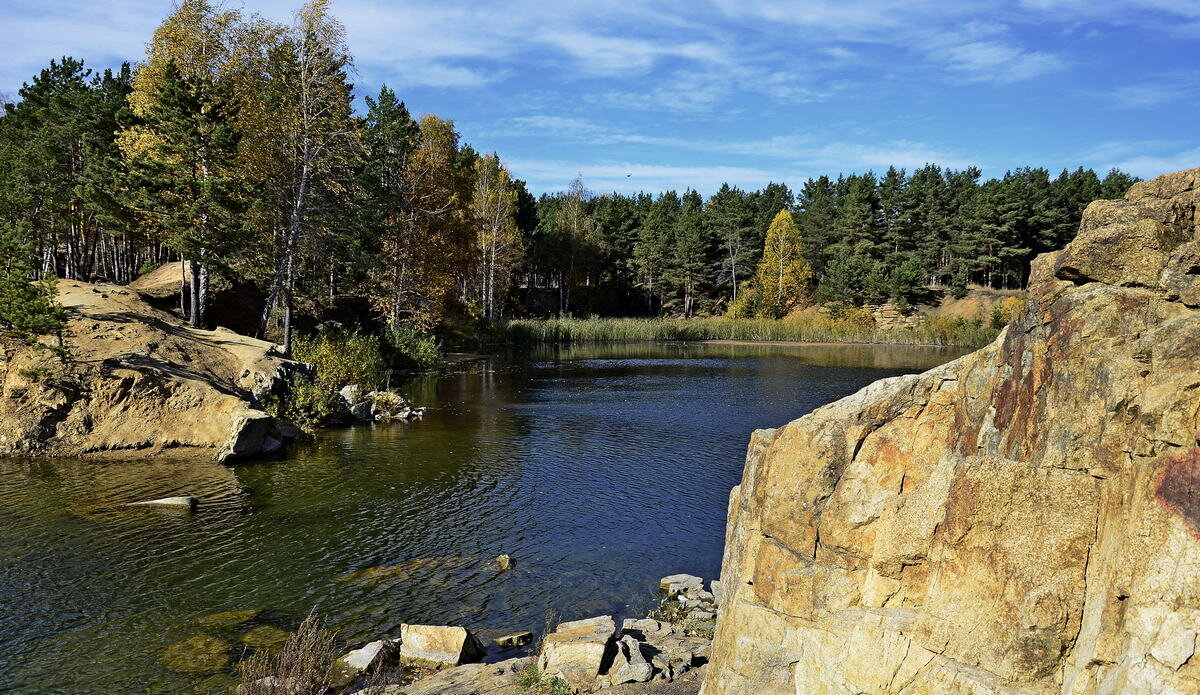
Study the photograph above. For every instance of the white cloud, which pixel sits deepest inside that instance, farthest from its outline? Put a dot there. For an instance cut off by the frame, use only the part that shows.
(1150, 165)
(995, 61)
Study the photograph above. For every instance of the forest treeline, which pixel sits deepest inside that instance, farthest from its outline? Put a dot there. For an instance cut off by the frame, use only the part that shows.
(234, 150)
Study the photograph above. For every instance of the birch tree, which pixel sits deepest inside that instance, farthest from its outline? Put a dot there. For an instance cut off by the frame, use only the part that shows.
(316, 145)
(783, 274)
(493, 208)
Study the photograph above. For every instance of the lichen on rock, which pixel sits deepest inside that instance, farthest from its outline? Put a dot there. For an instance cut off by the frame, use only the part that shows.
(1025, 519)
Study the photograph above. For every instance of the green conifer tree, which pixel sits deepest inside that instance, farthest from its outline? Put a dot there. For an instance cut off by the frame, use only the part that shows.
(27, 307)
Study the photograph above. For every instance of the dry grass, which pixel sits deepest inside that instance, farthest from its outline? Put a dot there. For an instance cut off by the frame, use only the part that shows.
(852, 328)
(303, 667)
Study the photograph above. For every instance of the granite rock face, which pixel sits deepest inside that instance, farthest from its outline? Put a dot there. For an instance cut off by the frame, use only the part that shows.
(1023, 520)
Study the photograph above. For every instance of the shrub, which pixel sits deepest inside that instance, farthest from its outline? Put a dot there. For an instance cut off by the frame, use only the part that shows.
(747, 302)
(408, 348)
(338, 358)
(342, 358)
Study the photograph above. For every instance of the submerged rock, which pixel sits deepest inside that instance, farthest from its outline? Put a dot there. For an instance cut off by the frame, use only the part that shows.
(1024, 519)
(372, 576)
(202, 654)
(504, 563)
(228, 620)
(266, 637)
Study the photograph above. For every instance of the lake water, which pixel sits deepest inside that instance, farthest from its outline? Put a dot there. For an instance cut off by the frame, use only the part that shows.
(598, 469)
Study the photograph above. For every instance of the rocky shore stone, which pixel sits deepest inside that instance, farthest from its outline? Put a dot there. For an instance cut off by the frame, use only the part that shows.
(1023, 520)
(677, 584)
(357, 662)
(629, 665)
(578, 651)
(439, 646)
(471, 679)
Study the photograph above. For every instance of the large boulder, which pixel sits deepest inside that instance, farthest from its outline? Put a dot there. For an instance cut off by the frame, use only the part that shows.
(139, 383)
(439, 646)
(1023, 520)
(579, 651)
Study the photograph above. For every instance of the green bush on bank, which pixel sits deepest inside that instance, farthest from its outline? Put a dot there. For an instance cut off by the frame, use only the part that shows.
(409, 349)
(845, 327)
(340, 358)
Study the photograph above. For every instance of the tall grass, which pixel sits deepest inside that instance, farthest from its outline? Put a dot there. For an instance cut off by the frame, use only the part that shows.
(933, 331)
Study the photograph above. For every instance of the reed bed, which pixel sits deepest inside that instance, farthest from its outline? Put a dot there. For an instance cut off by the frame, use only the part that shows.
(933, 331)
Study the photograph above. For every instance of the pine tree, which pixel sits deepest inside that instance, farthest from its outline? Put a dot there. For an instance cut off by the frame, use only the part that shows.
(857, 224)
(390, 138)
(818, 213)
(188, 180)
(841, 282)
(655, 240)
(27, 308)
(689, 261)
(783, 274)
(729, 219)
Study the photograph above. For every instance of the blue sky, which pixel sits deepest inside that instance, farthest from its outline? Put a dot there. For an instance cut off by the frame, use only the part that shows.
(650, 96)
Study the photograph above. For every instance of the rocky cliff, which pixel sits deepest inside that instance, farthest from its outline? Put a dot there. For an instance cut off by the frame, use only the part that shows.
(138, 383)
(1025, 519)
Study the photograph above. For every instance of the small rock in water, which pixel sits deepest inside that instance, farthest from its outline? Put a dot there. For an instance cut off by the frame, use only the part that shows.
(514, 640)
(189, 503)
(228, 620)
(504, 562)
(201, 654)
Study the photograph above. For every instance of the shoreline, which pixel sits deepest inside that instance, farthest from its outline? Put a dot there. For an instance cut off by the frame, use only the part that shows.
(825, 343)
